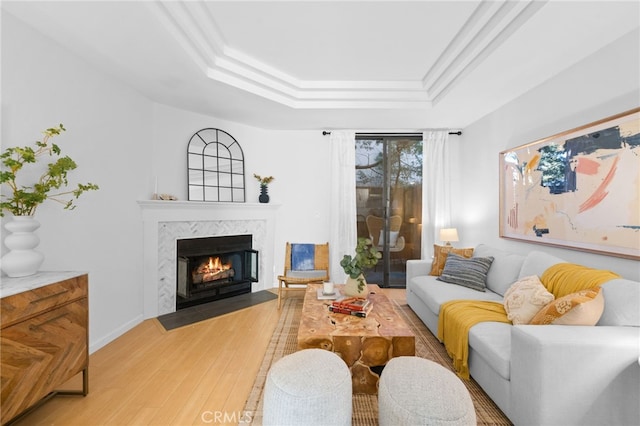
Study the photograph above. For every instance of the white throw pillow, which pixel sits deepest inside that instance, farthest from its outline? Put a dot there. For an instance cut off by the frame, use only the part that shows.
(393, 238)
(525, 298)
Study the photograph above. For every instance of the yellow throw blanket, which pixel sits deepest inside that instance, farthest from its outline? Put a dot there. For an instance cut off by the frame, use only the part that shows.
(566, 278)
(458, 316)
(454, 322)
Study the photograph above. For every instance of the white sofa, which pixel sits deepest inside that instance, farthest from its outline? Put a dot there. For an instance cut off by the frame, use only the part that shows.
(545, 374)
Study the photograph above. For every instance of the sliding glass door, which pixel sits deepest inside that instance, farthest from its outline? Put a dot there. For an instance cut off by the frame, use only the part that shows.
(389, 202)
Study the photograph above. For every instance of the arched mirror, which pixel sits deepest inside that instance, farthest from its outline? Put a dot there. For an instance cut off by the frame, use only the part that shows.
(215, 166)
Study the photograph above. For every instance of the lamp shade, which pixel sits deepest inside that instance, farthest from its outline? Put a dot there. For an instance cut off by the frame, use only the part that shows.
(448, 234)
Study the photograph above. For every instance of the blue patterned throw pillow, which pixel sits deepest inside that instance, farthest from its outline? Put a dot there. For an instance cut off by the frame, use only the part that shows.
(471, 272)
(303, 257)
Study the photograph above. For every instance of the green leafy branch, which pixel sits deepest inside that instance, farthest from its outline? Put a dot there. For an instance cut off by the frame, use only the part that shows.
(366, 257)
(25, 199)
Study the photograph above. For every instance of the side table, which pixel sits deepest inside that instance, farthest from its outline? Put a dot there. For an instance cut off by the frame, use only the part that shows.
(44, 340)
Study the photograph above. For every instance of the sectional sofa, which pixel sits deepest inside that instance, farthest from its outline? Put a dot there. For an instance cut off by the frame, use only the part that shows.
(545, 374)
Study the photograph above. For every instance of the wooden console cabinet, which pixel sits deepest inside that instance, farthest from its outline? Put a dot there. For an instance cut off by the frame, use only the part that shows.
(44, 338)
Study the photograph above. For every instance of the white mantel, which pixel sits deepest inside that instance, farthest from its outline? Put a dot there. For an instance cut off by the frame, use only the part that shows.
(167, 221)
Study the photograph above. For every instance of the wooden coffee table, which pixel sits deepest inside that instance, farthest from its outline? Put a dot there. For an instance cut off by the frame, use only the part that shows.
(365, 344)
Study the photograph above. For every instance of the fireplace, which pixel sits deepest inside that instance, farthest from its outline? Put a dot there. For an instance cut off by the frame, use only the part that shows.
(212, 268)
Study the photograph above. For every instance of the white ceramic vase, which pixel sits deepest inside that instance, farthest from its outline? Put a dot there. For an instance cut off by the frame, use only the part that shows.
(351, 287)
(22, 260)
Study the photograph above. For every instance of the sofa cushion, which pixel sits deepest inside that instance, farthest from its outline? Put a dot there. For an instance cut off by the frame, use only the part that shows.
(315, 273)
(504, 270)
(525, 298)
(440, 257)
(492, 341)
(622, 303)
(434, 293)
(393, 238)
(470, 273)
(536, 262)
(581, 308)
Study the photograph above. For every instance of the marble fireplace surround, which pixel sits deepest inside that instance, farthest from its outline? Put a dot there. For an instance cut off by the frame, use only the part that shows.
(167, 221)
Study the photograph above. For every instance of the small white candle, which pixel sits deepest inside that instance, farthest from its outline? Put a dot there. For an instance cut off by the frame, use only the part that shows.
(327, 287)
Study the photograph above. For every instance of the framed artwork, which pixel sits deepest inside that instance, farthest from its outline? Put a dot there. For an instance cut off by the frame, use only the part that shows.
(579, 189)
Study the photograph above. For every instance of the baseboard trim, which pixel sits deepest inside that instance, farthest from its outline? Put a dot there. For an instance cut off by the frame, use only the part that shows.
(97, 344)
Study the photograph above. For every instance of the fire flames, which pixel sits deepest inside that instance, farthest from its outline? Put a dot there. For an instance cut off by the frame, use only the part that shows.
(212, 270)
(215, 265)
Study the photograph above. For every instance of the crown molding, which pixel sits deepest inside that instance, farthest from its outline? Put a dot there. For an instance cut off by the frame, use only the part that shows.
(194, 28)
(487, 28)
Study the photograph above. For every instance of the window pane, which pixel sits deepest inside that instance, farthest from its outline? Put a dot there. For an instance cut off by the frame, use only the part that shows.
(215, 160)
(195, 193)
(389, 184)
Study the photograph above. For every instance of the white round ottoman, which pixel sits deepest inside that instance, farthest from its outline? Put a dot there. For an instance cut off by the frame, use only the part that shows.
(416, 391)
(308, 387)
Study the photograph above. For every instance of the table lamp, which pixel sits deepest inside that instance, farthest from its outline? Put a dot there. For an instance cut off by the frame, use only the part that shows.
(448, 234)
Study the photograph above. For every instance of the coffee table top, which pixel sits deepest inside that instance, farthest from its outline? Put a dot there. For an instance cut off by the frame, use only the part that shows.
(318, 322)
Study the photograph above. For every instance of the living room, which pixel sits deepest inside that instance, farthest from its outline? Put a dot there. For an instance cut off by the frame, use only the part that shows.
(132, 146)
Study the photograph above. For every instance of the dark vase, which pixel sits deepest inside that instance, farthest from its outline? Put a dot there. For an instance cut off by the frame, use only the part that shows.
(264, 196)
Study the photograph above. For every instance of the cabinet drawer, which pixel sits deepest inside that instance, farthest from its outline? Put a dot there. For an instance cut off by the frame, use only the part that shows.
(40, 353)
(25, 305)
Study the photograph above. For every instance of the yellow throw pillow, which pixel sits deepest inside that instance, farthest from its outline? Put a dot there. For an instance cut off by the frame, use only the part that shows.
(581, 308)
(525, 298)
(440, 257)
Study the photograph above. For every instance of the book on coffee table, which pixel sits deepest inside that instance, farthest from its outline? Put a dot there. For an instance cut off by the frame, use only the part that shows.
(354, 312)
(352, 303)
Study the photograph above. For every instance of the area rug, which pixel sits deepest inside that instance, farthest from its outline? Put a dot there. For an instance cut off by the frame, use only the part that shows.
(365, 407)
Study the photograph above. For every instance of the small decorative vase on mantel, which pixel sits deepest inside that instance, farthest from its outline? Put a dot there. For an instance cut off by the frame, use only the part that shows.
(264, 188)
(264, 194)
(22, 260)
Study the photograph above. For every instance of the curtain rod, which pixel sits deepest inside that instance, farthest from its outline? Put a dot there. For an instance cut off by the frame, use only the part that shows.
(325, 133)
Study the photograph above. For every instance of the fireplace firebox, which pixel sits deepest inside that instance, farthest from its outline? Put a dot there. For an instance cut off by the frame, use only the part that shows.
(212, 268)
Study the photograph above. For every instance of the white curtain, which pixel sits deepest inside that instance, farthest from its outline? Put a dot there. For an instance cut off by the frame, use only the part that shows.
(343, 234)
(436, 188)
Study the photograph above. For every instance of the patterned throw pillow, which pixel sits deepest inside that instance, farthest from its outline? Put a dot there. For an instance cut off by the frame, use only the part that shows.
(440, 256)
(525, 298)
(581, 308)
(470, 272)
(303, 257)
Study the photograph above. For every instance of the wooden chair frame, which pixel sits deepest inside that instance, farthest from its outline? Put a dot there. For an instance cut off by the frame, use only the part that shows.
(375, 225)
(321, 263)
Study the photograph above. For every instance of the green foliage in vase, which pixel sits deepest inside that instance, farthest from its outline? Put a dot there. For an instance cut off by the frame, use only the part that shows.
(366, 257)
(22, 200)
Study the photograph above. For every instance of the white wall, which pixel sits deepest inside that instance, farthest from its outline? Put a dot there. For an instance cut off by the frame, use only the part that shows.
(297, 159)
(602, 85)
(108, 136)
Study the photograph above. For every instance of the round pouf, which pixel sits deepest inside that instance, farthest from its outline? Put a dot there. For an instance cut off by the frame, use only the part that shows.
(308, 387)
(416, 391)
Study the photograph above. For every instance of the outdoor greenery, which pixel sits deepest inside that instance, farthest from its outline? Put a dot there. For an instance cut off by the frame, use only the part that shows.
(404, 161)
(403, 176)
(366, 256)
(22, 200)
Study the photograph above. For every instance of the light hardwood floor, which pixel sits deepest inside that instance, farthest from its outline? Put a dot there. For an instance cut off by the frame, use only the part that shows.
(193, 375)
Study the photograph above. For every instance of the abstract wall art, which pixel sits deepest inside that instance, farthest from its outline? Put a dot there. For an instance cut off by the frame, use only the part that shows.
(579, 189)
